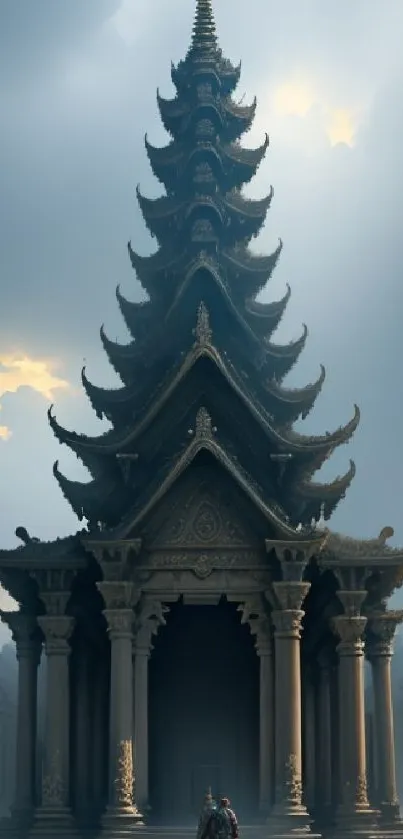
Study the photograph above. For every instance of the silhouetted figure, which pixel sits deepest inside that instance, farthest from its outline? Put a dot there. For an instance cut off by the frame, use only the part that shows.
(222, 823)
(209, 805)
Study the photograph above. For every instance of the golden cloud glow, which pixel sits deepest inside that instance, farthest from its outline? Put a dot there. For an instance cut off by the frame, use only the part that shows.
(293, 99)
(298, 99)
(17, 371)
(340, 127)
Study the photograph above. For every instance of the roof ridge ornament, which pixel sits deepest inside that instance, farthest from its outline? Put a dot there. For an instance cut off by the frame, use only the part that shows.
(203, 331)
(204, 429)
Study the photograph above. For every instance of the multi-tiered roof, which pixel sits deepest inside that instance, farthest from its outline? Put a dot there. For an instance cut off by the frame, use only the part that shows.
(202, 372)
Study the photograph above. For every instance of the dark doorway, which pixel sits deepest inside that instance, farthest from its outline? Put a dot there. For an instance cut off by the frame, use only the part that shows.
(204, 712)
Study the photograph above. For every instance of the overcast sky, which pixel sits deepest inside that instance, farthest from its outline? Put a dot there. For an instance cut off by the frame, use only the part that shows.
(78, 84)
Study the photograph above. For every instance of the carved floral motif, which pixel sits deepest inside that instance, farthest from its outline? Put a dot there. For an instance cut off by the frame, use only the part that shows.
(57, 630)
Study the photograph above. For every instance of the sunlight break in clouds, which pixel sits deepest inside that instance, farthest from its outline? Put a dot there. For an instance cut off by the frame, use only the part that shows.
(17, 371)
(298, 99)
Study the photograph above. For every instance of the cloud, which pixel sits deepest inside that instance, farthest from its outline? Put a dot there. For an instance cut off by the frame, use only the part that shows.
(18, 371)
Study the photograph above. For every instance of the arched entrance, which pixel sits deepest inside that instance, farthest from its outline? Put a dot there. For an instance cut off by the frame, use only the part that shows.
(204, 712)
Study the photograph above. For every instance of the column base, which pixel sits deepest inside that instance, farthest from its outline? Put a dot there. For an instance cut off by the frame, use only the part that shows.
(355, 822)
(53, 822)
(120, 822)
(390, 821)
(290, 820)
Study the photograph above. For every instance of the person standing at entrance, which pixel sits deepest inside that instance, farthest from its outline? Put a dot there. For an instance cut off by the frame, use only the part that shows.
(222, 823)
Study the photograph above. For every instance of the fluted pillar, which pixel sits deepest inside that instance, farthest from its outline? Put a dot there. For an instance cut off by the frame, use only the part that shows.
(289, 811)
(353, 812)
(28, 646)
(121, 810)
(381, 631)
(324, 735)
(54, 812)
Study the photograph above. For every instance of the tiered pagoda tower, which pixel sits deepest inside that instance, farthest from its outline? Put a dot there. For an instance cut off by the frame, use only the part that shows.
(202, 342)
(202, 494)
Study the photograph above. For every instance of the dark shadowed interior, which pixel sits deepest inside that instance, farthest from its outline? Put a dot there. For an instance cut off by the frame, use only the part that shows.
(204, 712)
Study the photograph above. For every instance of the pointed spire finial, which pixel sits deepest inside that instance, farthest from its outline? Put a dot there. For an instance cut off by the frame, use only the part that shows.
(204, 36)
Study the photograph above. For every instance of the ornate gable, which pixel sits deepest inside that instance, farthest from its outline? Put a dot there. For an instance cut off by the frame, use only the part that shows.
(204, 512)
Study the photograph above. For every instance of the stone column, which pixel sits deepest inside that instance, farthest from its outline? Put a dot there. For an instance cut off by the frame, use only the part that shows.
(288, 813)
(324, 736)
(309, 737)
(83, 732)
(264, 648)
(381, 631)
(149, 617)
(25, 634)
(353, 812)
(54, 813)
(121, 811)
(142, 654)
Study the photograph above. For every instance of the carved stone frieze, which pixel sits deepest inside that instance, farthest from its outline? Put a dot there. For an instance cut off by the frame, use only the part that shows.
(290, 595)
(57, 630)
(201, 516)
(350, 630)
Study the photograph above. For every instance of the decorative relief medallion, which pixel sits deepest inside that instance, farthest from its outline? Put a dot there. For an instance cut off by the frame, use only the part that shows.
(207, 523)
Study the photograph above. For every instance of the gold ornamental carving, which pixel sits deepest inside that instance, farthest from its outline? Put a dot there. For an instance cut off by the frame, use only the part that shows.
(361, 795)
(293, 781)
(125, 778)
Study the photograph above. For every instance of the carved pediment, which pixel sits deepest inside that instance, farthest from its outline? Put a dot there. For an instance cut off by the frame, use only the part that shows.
(203, 513)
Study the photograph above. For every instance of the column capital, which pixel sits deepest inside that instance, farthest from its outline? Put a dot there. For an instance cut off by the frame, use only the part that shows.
(24, 630)
(118, 595)
(294, 555)
(381, 629)
(350, 630)
(287, 623)
(120, 623)
(352, 601)
(57, 630)
(290, 595)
